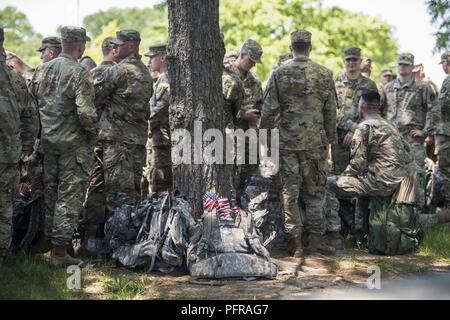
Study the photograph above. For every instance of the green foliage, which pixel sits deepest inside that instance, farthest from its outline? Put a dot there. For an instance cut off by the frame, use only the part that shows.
(152, 23)
(20, 37)
(270, 23)
(440, 16)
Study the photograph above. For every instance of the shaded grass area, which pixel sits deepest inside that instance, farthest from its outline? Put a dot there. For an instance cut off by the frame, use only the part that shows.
(29, 277)
(436, 244)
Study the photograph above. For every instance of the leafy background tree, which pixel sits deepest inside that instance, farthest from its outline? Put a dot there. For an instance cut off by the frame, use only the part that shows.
(20, 37)
(440, 16)
(269, 22)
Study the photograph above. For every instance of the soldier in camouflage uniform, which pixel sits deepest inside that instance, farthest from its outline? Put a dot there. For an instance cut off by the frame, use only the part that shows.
(18, 129)
(125, 90)
(380, 158)
(20, 67)
(443, 136)
(366, 67)
(65, 96)
(233, 94)
(249, 112)
(93, 214)
(159, 161)
(349, 86)
(412, 107)
(50, 48)
(386, 76)
(301, 93)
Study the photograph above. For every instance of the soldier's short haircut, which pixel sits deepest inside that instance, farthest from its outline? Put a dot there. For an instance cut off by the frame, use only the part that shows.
(372, 99)
(300, 47)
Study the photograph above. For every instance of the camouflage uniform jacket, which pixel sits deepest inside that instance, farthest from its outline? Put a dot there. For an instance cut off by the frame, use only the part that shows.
(65, 97)
(233, 94)
(302, 94)
(443, 127)
(127, 87)
(19, 122)
(348, 93)
(379, 152)
(253, 93)
(158, 125)
(411, 106)
(98, 71)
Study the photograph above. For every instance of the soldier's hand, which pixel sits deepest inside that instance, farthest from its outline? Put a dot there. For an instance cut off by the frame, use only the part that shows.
(416, 133)
(252, 115)
(348, 139)
(429, 140)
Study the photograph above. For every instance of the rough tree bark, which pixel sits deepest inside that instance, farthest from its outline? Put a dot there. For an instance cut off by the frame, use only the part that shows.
(195, 55)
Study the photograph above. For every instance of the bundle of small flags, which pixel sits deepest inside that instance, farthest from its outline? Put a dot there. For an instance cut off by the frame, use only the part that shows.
(226, 213)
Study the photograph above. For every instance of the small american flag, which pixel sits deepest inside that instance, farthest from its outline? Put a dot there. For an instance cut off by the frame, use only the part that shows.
(209, 201)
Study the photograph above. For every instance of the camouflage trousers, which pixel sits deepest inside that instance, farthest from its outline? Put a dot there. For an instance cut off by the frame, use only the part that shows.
(158, 171)
(418, 149)
(93, 213)
(303, 171)
(9, 180)
(332, 218)
(122, 167)
(443, 151)
(243, 172)
(66, 178)
(341, 159)
(361, 189)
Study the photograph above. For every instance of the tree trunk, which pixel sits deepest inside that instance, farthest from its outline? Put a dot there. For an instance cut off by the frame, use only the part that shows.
(195, 55)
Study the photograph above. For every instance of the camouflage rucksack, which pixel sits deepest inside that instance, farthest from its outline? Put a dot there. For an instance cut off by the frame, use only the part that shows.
(154, 234)
(394, 228)
(229, 252)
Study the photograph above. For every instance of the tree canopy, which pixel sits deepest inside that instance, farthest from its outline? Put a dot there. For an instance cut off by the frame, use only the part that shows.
(20, 37)
(440, 16)
(269, 22)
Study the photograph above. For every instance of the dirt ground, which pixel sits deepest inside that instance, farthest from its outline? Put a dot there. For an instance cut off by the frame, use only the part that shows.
(346, 269)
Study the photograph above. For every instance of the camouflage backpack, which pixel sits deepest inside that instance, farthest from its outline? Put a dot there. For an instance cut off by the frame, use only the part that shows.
(394, 228)
(229, 252)
(154, 234)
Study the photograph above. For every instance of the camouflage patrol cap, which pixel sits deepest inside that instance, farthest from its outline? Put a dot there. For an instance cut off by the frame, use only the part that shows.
(253, 49)
(107, 44)
(73, 34)
(366, 62)
(301, 36)
(50, 42)
(418, 67)
(352, 53)
(2, 36)
(156, 49)
(127, 35)
(406, 58)
(445, 57)
(387, 72)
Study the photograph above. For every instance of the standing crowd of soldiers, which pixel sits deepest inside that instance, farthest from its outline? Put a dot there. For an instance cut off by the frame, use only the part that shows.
(93, 136)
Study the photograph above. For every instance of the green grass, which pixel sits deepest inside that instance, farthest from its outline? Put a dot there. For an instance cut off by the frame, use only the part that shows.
(436, 244)
(123, 288)
(29, 278)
